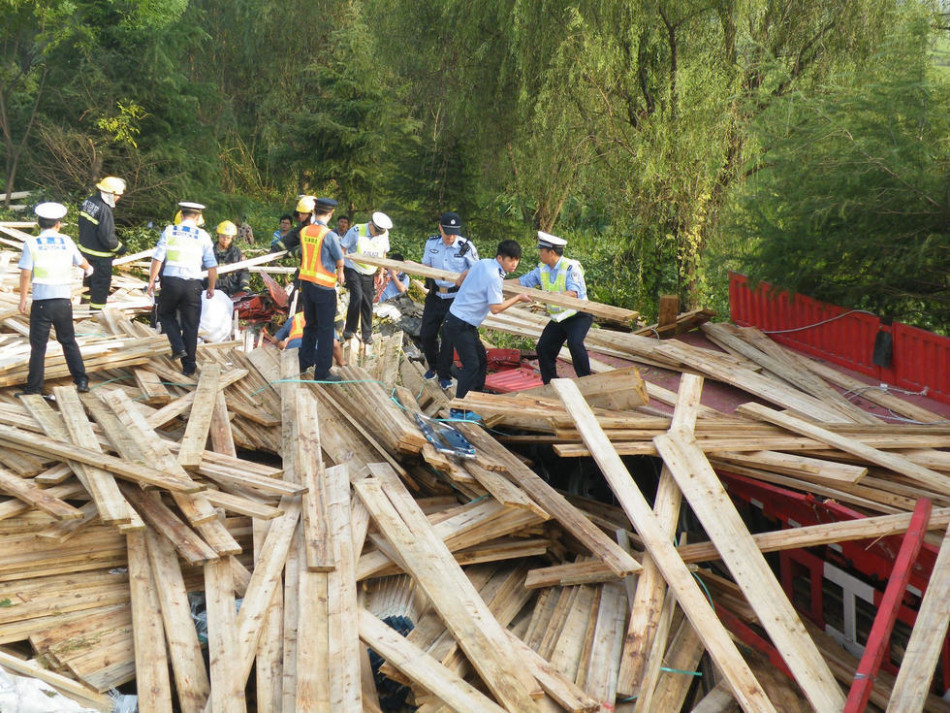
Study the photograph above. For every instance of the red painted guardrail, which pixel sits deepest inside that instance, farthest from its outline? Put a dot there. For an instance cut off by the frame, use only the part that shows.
(917, 359)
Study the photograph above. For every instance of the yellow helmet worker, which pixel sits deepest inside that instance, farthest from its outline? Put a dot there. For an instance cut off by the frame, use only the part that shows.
(112, 184)
(226, 227)
(200, 223)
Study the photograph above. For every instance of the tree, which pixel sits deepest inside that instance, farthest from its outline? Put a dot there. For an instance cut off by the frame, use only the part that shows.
(851, 204)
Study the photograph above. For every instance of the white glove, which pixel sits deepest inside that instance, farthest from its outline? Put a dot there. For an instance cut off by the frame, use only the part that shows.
(88, 271)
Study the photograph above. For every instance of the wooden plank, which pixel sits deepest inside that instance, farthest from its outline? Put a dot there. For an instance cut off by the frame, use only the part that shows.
(191, 676)
(227, 689)
(101, 485)
(151, 656)
(432, 566)
(711, 503)
(149, 505)
(422, 668)
(603, 311)
(136, 472)
(937, 481)
(647, 604)
(153, 390)
(600, 678)
(268, 666)
(618, 389)
(345, 689)
(199, 422)
(25, 491)
(715, 637)
(912, 685)
(669, 309)
(222, 439)
(308, 467)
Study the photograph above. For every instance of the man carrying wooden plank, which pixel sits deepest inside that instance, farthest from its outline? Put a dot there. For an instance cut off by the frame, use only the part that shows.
(48, 260)
(556, 273)
(479, 294)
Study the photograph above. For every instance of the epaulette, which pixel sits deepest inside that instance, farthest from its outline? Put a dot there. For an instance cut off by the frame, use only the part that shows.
(434, 237)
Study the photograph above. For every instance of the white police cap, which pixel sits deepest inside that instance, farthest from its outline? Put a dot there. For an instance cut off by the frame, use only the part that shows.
(546, 240)
(382, 221)
(50, 211)
(187, 205)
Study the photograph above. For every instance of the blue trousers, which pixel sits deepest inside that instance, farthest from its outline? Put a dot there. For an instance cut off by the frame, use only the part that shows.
(319, 311)
(572, 330)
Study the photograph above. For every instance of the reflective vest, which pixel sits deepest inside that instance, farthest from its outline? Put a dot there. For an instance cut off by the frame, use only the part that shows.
(184, 247)
(559, 314)
(296, 326)
(311, 266)
(52, 259)
(366, 244)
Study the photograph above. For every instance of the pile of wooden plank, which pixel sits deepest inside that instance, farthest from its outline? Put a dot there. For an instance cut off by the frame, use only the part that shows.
(241, 540)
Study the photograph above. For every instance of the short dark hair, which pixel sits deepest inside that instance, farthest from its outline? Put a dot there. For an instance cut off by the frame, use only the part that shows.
(46, 223)
(286, 216)
(557, 250)
(396, 256)
(509, 248)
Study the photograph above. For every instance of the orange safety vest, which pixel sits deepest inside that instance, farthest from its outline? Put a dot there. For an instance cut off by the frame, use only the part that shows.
(296, 326)
(311, 266)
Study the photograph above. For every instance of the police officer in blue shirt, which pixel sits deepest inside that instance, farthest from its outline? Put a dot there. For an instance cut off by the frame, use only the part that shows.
(446, 251)
(556, 273)
(480, 293)
(186, 249)
(48, 261)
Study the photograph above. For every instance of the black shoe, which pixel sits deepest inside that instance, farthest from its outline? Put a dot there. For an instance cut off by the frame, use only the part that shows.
(47, 397)
(368, 339)
(179, 354)
(347, 336)
(188, 370)
(333, 378)
(82, 385)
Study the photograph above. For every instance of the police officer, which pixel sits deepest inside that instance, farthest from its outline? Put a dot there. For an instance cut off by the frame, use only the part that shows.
(556, 273)
(227, 253)
(480, 293)
(321, 268)
(48, 260)
(97, 240)
(371, 239)
(447, 251)
(186, 249)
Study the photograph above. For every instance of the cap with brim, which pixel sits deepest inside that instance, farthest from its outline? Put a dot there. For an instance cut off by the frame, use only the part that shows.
(546, 240)
(50, 211)
(382, 221)
(451, 223)
(187, 205)
(324, 205)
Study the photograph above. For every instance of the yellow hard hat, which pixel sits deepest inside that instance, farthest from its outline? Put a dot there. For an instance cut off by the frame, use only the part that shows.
(111, 184)
(305, 204)
(200, 222)
(226, 227)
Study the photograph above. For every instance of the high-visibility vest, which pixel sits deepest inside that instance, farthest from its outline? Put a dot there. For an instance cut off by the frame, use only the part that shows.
(184, 247)
(52, 259)
(296, 326)
(559, 314)
(311, 266)
(366, 244)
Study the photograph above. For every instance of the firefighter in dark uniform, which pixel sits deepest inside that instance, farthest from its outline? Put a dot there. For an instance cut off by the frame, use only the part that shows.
(447, 251)
(97, 240)
(321, 268)
(227, 253)
(186, 249)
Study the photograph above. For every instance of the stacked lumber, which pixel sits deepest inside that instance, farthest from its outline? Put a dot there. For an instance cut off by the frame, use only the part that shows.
(335, 556)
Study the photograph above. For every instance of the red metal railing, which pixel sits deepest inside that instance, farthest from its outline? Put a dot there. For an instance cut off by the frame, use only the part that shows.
(919, 359)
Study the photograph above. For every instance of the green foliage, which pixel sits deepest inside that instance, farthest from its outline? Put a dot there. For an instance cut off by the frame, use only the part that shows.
(851, 204)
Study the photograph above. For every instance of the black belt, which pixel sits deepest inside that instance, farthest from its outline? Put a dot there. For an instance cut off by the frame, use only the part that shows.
(447, 290)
